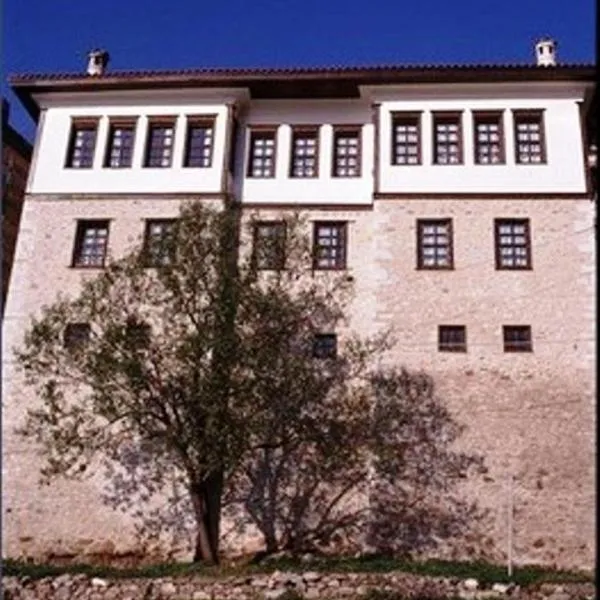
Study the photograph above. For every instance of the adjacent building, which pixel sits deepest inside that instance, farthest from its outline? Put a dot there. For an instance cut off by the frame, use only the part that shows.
(458, 198)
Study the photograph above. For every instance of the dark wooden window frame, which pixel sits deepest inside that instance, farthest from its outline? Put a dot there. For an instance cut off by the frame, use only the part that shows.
(452, 338)
(276, 262)
(421, 223)
(84, 225)
(538, 115)
(517, 338)
(81, 124)
(256, 132)
(487, 116)
(200, 121)
(498, 246)
(324, 346)
(125, 123)
(306, 132)
(159, 122)
(454, 117)
(407, 118)
(341, 263)
(148, 257)
(338, 132)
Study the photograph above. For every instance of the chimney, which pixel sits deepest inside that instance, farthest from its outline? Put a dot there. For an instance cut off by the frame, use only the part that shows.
(97, 62)
(545, 52)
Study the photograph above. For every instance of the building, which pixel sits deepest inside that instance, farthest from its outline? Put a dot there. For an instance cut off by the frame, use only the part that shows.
(457, 197)
(16, 156)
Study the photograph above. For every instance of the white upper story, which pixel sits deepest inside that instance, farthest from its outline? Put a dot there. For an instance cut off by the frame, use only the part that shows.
(317, 137)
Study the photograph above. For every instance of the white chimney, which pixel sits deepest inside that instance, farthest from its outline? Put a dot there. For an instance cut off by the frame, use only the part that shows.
(545, 52)
(97, 62)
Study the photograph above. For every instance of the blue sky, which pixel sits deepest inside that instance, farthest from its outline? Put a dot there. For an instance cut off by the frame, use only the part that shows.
(55, 35)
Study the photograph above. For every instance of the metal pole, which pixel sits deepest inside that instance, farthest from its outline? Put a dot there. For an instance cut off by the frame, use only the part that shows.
(510, 525)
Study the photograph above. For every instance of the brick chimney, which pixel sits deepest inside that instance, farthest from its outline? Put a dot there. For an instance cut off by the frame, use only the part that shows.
(97, 62)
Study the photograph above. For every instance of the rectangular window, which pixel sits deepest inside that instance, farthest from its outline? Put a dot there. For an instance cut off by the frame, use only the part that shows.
(529, 137)
(159, 242)
(489, 138)
(82, 144)
(199, 142)
(137, 334)
(406, 138)
(159, 144)
(269, 245)
(346, 152)
(261, 158)
(325, 345)
(305, 153)
(447, 139)
(329, 245)
(76, 336)
(119, 149)
(513, 244)
(452, 338)
(434, 244)
(517, 338)
(91, 243)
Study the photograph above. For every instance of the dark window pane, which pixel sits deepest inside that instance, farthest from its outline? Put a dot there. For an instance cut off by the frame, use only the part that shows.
(513, 248)
(329, 249)
(346, 154)
(434, 244)
(325, 345)
(262, 154)
(198, 152)
(159, 242)
(76, 336)
(81, 146)
(517, 338)
(447, 140)
(305, 154)
(119, 152)
(159, 149)
(269, 245)
(452, 338)
(91, 242)
(406, 140)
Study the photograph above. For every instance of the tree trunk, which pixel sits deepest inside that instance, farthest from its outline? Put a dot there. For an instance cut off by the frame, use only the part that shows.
(206, 500)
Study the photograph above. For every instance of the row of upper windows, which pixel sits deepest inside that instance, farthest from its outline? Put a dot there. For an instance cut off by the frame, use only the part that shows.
(512, 244)
(448, 143)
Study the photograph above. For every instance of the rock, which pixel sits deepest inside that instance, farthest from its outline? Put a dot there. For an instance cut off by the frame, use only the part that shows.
(168, 588)
(308, 557)
(311, 576)
(99, 583)
(470, 584)
(274, 594)
(200, 595)
(501, 588)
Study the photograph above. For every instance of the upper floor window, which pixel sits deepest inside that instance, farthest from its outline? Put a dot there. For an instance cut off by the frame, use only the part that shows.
(159, 144)
(489, 138)
(305, 152)
(447, 139)
(452, 338)
(91, 243)
(406, 138)
(434, 244)
(346, 152)
(261, 158)
(269, 245)
(329, 245)
(199, 142)
(517, 338)
(82, 143)
(119, 149)
(158, 242)
(513, 244)
(529, 137)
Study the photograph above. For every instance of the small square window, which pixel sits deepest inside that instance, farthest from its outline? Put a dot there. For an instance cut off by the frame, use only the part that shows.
(305, 153)
(434, 244)
(406, 139)
(325, 345)
(137, 333)
(529, 137)
(452, 338)
(447, 139)
(269, 245)
(91, 243)
(513, 244)
(119, 149)
(489, 138)
(159, 144)
(517, 338)
(82, 144)
(199, 143)
(261, 158)
(329, 245)
(346, 152)
(76, 336)
(159, 242)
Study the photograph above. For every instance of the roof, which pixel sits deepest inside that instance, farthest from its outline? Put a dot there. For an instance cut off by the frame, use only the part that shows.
(293, 82)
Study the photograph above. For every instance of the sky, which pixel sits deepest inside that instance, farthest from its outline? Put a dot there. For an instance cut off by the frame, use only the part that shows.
(49, 36)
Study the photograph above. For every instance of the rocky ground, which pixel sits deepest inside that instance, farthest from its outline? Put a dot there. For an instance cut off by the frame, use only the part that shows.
(284, 586)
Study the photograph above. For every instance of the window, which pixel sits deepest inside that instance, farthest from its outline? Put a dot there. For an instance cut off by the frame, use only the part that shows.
(261, 161)
(434, 244)
(447, 139)
(489, 138)
(406, 139)
(119, 150)
(529, 137)
(137, 334)
(346, 152)
(199, 142)
(76, 336)
(329, 245)
(513, 244)
(517, 338)
(269, 245)
(325, 345)
(91, 242)
(159, 242)
(82, 143)
(452, 338)
(159, 144)
(305, 153)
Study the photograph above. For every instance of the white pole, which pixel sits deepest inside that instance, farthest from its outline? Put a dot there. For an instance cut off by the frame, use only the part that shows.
(510, 525)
